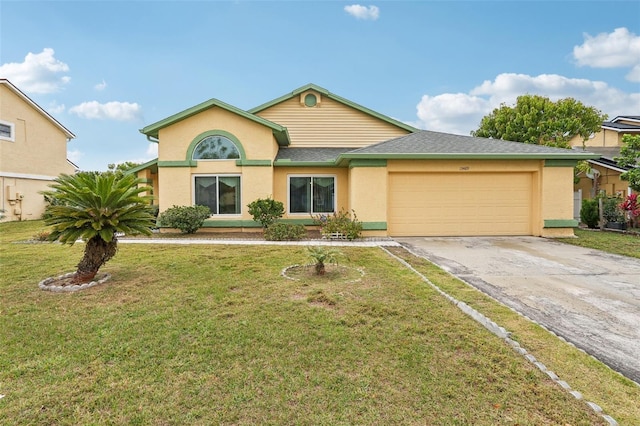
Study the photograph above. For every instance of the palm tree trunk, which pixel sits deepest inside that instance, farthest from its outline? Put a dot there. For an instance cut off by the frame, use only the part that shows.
(96, 253)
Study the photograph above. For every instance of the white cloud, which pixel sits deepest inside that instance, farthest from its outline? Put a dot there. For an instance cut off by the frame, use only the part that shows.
(75, 156)
(363, 12)
(461, 112)
(152, 151)
(619, 49)
(119, 111)
(39, 73)
(54, 108)
(100, 86)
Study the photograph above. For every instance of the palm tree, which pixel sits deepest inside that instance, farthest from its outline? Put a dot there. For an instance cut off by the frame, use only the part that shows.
(320, 255)
(94, 207)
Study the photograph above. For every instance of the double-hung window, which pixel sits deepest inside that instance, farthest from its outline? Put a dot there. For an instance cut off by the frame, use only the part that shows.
(221, 193)
(312, 194)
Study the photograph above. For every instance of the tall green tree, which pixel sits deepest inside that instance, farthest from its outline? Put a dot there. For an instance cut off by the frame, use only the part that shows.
(94, 207)
(630, 157)
(538, 120)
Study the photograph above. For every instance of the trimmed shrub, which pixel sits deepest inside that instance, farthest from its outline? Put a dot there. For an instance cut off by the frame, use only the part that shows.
(188, 219)
(589, 214)
(339, 224)
(611, 211)
(281, 231)
(266, 211)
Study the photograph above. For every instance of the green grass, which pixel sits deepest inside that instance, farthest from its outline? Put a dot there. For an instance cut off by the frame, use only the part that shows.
(215, 335)
(612, 242)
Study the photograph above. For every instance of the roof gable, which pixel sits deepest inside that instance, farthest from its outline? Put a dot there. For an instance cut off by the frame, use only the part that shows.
(336, 98)
(37, 107)
(279, 132)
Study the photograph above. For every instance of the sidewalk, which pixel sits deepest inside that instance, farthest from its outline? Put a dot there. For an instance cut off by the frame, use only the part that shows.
(246, 242)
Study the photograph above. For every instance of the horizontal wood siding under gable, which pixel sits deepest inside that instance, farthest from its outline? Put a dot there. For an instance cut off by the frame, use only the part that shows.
(329, 125)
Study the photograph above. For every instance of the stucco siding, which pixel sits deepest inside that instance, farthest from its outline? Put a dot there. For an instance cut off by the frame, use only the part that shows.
(257, 140)
(39, 148)
(330, 124)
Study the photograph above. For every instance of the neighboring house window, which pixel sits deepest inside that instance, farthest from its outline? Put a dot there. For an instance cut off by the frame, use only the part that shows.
(220, 193)
(215, 148)
(7, 131)
(312, 194)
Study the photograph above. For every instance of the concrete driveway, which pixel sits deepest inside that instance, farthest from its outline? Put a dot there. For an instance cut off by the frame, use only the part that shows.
(589, 297)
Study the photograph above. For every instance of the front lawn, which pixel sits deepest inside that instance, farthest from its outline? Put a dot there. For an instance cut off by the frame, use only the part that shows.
(611, 242)
(215, 335)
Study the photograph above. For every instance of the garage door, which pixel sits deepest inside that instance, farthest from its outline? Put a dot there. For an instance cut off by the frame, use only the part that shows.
(459, 204)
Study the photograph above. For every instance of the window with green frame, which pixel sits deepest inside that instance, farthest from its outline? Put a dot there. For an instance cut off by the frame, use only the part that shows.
(221, 193)
(216, 148)
(312, 194)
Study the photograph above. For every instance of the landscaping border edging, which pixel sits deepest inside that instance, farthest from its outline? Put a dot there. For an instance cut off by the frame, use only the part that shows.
(45, 284)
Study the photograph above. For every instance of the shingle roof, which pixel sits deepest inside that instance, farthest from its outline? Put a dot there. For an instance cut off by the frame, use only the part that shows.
(310, 154)
(621, 126)
(428, 142)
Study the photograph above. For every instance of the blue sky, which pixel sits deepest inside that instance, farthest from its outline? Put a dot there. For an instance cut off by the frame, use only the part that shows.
(107, 69)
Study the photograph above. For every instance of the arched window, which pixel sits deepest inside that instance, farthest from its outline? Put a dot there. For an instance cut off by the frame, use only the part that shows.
(216, 148)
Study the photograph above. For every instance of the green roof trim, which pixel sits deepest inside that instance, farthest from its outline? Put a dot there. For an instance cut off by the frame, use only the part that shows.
(561, 163)
(254, 163)
(467, 156)
(560, 223)
(185, 163)
(280, 133)
(368, 163)
(337, 98)
(148, 164)
(289, 163)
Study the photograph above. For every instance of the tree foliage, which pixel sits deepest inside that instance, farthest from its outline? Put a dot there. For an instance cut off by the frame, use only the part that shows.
(630, 157)
(94, 207)
(537, 120)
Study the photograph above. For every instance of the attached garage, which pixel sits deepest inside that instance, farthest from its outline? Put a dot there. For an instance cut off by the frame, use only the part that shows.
(460, 204)
(438, 184)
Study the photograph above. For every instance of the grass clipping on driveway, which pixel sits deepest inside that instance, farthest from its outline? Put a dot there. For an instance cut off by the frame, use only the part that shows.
(215, 335)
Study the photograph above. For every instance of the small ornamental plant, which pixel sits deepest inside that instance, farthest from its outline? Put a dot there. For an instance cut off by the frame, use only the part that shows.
(266, 211)
(188, 219)
(631, 208)
(322, 255)
(339, 225)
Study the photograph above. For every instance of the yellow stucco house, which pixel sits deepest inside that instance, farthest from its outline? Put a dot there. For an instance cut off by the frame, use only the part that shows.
(605, 173)
(320, 153)
(33, 152)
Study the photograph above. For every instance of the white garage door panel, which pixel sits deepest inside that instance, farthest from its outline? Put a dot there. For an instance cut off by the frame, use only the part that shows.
(456, 204)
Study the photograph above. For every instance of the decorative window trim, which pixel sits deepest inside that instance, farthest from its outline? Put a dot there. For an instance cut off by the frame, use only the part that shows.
(312, 176)
(217, 176)
(305, 103)
(12, 131)
(215, 132)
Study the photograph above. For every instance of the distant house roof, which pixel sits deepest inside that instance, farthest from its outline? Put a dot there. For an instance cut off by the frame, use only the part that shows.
(37, 107)
(336, 98)
(619, 127)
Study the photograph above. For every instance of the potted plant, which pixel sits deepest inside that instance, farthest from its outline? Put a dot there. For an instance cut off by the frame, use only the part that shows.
(613, 214)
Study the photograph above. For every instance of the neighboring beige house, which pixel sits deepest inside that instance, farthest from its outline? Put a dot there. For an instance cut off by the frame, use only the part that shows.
(319, 153)
(33, 152)
(605, 174)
